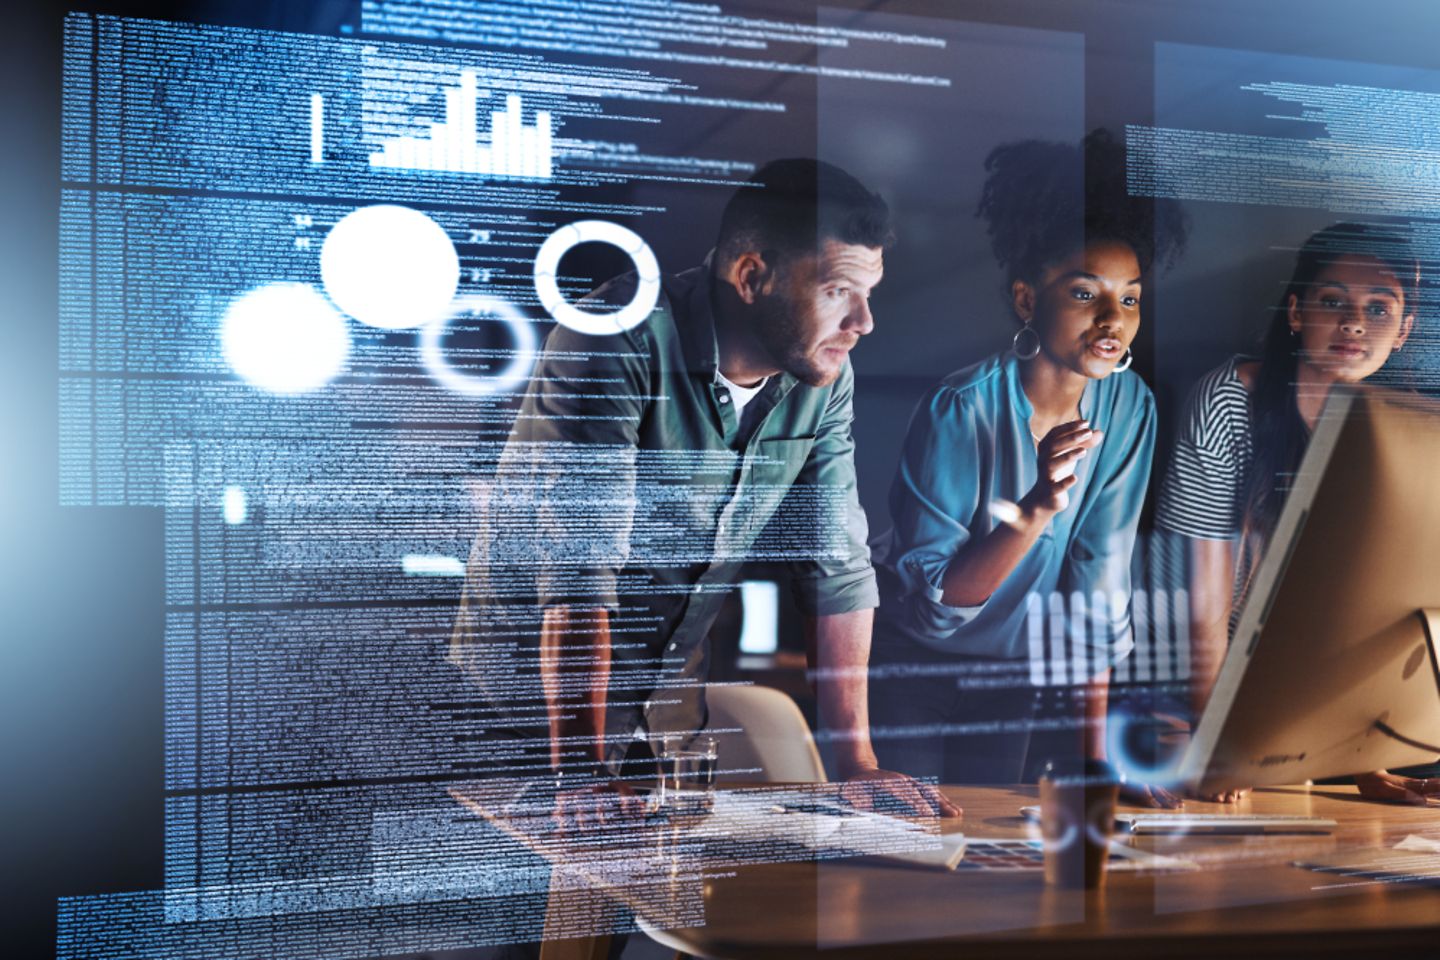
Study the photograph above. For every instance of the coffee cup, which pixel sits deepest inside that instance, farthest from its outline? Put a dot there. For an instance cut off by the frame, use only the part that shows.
(1077, 816)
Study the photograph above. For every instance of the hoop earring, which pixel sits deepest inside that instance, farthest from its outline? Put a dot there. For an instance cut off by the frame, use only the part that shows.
(1023, 354)
(1124, 365)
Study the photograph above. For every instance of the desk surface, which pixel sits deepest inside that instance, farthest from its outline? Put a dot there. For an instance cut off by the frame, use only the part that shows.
(1246, 900)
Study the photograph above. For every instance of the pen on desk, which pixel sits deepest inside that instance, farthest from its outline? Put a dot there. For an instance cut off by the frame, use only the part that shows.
(783, 807)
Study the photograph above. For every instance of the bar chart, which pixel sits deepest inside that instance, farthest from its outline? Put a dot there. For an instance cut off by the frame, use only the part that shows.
(514, 150)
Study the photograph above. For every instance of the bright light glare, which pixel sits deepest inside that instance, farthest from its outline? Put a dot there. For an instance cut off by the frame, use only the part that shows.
(431, 565)
(760, 623)
(1004, 511)
(234, 506)
(390, 267)
(284, 338)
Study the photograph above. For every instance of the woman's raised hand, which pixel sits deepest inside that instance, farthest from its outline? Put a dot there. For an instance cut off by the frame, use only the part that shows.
(1056, 456)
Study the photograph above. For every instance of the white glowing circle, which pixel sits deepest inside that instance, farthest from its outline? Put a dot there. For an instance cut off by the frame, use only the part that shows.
(390, 267)
(473, 385)
(284, 338)
(547, 262)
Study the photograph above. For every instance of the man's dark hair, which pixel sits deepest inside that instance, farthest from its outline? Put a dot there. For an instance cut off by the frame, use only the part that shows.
(791, 207)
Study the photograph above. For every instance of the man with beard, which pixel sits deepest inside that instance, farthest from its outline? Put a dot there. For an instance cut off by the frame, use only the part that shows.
(647, 465)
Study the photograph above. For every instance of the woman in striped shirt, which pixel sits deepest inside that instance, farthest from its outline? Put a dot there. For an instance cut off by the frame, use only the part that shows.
(1349, 307)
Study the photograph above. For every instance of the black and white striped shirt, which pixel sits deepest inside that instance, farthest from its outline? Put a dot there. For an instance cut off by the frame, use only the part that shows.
(1200, 496)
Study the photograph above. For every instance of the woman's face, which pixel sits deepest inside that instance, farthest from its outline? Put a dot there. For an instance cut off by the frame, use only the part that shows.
(1085, 308)
(1352, 318)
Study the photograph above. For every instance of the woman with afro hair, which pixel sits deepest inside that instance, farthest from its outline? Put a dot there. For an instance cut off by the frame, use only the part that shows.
(1022, 478)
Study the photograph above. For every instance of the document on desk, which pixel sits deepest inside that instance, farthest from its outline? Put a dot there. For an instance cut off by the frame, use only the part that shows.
(1420, 844)
(775, 820)
(1011, 854)
(1416, 859)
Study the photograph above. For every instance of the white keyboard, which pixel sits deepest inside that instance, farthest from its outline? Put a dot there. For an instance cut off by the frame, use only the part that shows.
(1179, 822)
(1219, 823)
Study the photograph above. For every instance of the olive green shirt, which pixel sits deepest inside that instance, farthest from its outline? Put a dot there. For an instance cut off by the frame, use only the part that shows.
(628, 483)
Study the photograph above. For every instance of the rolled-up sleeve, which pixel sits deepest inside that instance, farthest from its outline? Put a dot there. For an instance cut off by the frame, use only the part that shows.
(843, 581)
(935, 503)
(1097, 565)
(563, 500)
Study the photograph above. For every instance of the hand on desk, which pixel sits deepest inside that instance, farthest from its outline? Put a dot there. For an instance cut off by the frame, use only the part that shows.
(1232, 795)
(1149, 795)
(1174, 735)
(1393, 788)
(861, 790)
(596, 805)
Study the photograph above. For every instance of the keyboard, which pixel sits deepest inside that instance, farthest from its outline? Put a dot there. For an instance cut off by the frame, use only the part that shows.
(1143, 824)
(1179, 822)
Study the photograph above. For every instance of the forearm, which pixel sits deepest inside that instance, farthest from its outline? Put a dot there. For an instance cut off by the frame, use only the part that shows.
(1211, 584)
(982, 565)
(1207, 652)
(575, 676)
(840, 655)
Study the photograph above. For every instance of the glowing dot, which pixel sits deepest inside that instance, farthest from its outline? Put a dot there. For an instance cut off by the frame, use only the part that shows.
(285, 338)
(390, 267)
(233, 506)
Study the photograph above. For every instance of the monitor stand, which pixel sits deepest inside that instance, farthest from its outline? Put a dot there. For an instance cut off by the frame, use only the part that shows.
(1428, 734)
(1372, 705)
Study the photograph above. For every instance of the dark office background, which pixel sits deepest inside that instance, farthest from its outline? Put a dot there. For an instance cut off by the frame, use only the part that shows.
(81, 674)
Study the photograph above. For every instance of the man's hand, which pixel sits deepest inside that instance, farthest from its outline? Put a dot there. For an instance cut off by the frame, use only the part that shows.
(862, 789)
(596, 805)
(1393, 788)
(840, 649)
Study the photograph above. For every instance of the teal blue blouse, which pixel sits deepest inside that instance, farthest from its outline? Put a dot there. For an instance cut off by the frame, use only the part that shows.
(968, 446)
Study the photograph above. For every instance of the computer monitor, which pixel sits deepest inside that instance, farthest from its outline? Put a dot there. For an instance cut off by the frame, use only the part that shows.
(1333, 666)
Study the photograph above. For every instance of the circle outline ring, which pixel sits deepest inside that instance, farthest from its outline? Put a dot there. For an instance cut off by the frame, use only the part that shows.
(559, 243)
(513, 375)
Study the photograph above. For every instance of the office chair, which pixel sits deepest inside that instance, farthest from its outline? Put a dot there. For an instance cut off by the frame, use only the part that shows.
(761, 735)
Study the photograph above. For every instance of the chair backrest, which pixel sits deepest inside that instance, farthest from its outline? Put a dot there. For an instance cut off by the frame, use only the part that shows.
(761, 734)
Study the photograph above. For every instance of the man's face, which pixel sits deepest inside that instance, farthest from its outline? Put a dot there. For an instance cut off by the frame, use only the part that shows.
(818, 308)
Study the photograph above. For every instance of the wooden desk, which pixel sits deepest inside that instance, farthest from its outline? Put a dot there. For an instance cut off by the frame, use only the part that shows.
(1247, 900)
